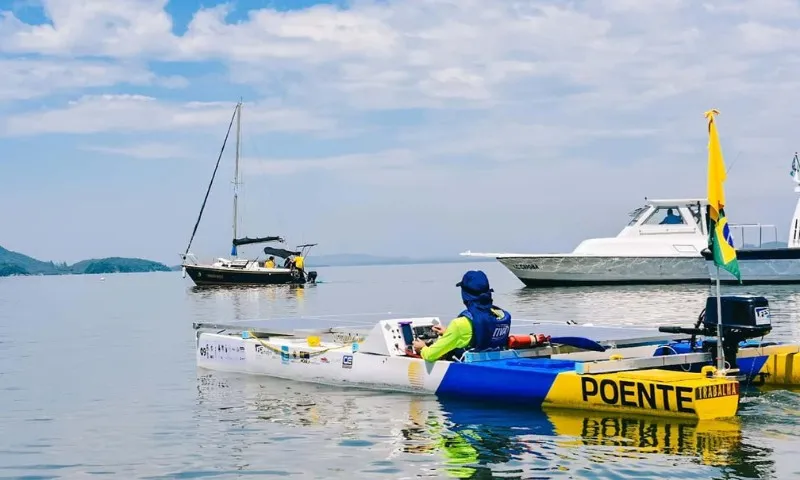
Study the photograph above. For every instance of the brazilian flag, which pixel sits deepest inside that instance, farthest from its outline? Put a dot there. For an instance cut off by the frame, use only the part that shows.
(720, 241)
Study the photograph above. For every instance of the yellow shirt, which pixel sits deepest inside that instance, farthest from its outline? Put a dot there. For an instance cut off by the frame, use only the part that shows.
(457, 335)
(269, 264)
(298, 262)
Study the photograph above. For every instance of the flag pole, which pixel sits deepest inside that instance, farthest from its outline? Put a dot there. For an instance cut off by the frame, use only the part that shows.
(720, 351)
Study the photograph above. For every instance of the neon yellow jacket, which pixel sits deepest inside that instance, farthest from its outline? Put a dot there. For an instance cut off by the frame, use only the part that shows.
(457, 335)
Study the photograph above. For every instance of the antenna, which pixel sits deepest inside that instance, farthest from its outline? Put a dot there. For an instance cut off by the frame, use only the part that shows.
(734, 161)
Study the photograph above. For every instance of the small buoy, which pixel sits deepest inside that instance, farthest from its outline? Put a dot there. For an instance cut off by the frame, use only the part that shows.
(102, 279)
(519, 341)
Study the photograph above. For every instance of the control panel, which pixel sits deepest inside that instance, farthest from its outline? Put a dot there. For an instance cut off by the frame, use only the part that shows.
(394, 337)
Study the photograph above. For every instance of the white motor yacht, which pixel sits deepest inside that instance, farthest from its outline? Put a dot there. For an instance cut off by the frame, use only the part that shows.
(666, 241)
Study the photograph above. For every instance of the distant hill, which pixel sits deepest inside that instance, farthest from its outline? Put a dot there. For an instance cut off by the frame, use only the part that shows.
(15, 263)
(28, 265)
(117, 265)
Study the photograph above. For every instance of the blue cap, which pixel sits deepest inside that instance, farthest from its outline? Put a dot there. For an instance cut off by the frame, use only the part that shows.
(475, 282)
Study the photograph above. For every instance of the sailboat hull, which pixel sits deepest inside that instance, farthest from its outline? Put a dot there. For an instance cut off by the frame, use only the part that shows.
(208, 275)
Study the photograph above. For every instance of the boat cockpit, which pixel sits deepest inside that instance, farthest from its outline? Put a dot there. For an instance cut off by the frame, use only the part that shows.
(668, 216)
(658, 228)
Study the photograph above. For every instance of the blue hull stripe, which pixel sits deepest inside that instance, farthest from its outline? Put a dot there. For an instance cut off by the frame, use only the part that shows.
(525, 381)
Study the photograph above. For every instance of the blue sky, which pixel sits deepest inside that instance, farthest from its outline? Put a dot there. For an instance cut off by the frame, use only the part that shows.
(421, 127)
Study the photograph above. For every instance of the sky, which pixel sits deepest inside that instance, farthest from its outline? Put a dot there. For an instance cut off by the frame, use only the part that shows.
(415, 127)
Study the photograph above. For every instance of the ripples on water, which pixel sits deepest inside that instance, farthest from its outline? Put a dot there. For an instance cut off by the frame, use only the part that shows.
(98, 379)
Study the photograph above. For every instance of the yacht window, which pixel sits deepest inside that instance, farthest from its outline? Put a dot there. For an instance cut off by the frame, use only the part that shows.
(698, 218)
(666, 216)
(636, 215)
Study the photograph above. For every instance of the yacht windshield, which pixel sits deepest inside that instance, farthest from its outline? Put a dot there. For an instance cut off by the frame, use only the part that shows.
(666, 215)
(698, 217)
(636, 215)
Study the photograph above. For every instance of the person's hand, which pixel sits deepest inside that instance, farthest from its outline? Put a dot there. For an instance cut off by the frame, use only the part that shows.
(439, 329)
(418, 345)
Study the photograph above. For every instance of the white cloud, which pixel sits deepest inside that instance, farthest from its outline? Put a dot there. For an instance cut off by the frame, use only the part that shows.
(759, 37)
(555, 68)
(548, 104)
(91, 27)
(760, 9)
(149, 150)
(24, 78)
(364, 162)
(138, 113)
(431, 53)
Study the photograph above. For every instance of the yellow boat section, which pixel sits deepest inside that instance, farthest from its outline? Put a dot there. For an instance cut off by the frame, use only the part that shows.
(664, 393)
(780, 367)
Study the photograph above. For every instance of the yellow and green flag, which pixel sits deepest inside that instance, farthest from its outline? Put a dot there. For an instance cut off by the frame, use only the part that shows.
(720, 241)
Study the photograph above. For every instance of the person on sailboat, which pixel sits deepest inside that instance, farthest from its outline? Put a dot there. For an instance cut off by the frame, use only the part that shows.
(299, 263)
(671, 218)
(481, 326)
(270, 263)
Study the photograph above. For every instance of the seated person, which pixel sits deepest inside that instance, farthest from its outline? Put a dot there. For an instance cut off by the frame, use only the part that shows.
(270, 263)
(481, 326)
(671, 219)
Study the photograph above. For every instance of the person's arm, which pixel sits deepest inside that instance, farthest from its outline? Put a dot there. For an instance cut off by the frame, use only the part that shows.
(447, 342)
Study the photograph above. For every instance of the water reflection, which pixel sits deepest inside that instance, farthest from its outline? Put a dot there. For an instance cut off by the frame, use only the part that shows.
(246, 302)
(422, 435)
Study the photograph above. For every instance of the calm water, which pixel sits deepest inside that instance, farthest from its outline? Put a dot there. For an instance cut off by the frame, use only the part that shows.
(97, 378)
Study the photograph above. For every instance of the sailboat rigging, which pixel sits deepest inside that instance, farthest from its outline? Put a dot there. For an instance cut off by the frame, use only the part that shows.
(246, 271)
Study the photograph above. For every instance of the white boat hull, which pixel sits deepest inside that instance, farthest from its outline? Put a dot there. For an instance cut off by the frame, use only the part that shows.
(771, 266)
(338, 366)
(574, 270)
(529, 382)
(650, 250)
(579, 270)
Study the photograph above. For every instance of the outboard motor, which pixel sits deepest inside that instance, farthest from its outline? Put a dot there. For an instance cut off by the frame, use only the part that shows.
(743, 317)
(311, 277)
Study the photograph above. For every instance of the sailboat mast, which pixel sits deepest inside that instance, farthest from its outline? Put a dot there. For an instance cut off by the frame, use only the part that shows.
(236, 175)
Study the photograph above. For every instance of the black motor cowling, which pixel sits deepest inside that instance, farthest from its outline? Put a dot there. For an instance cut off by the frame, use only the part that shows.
(743, 317)
(311, 277)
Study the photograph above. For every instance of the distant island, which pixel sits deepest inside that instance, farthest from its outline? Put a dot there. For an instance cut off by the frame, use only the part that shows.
(14, 263)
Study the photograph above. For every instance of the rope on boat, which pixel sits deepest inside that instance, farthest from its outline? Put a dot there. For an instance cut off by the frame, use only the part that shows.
(203, 206)
(278, 350)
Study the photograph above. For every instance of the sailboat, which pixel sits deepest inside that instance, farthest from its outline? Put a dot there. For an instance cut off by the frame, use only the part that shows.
(235, 271)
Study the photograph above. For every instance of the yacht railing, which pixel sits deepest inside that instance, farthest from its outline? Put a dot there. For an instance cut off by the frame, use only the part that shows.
(741, 227)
